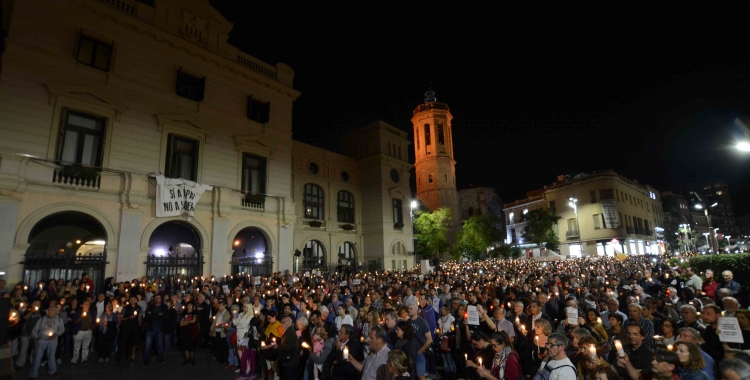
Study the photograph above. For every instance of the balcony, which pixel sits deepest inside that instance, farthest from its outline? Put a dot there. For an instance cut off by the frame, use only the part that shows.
(253, 201)
(77, 176)
(630, 230)
(573, 234)
(313, 223)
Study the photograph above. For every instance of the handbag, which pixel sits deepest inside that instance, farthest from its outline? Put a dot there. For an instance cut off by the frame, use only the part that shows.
(233, 338)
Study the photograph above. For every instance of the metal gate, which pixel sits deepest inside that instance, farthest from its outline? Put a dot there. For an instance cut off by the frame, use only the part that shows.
(42, 266)
(164, 267)
(252, 266)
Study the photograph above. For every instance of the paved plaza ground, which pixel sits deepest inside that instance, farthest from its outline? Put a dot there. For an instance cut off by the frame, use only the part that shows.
(172, 369)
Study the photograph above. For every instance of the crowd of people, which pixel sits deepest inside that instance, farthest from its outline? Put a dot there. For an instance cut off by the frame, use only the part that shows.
(588, 318)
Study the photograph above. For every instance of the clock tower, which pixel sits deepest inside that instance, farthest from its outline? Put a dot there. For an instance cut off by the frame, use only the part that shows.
(434, 165)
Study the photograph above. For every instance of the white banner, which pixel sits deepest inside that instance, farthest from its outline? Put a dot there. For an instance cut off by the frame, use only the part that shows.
(473, 315)
(609, 210)
(730, 330)
(177, 196)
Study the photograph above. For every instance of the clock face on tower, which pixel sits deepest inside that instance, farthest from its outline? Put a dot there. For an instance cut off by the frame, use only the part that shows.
(394, 175)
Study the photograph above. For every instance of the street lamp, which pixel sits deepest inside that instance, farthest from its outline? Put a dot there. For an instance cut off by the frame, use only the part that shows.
(699, 206)
(413, 237)
(743, 146)
(573, 202)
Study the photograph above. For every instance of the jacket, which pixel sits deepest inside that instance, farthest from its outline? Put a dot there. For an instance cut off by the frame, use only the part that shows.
(222, 318)
(289, 349)
(45, 325)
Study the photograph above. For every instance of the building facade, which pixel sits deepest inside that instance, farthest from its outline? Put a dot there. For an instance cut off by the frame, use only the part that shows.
(95, 103)
(600, 214)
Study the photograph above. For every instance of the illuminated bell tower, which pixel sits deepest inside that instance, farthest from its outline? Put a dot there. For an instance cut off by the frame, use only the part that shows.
(434, 165)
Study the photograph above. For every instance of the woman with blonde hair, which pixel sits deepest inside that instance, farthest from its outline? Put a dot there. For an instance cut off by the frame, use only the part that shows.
(691, 361)
(542, 329)
(399, 365)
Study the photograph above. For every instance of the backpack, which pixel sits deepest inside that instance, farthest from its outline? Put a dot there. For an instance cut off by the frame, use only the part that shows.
(545, 375)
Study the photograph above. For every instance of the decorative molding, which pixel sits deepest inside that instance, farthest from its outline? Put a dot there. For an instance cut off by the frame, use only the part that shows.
(182, 120)
(87, 94)
(253, 144)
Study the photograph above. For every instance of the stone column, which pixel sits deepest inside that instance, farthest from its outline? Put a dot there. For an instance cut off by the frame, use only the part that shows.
(128, 253)
(219, 260)
(9, 216)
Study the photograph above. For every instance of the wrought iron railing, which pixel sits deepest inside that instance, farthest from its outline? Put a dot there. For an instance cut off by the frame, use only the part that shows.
(44, 266)
(630, 230)
(252, 266)
(164, 267)
(572, 234)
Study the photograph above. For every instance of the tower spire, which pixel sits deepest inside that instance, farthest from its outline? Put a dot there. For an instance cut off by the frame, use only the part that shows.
(429, 96)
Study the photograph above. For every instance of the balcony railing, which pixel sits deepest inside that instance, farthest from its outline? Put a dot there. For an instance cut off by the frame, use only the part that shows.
(313, 223)
(89, 178)
(573, 234)
(254, 201)
(630, 230)
(163, 267)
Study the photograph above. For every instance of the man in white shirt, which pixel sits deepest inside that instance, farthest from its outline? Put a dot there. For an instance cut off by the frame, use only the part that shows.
(100, 303)
(409, 298)
(694, 281)
(557, 366)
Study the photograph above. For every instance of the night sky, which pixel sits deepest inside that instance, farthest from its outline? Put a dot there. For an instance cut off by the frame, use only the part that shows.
(652, 94)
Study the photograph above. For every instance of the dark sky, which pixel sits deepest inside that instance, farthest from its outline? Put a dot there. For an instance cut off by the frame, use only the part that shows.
(537, 92)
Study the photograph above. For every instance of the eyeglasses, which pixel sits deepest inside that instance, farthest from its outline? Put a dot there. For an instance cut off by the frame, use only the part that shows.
(550, 345)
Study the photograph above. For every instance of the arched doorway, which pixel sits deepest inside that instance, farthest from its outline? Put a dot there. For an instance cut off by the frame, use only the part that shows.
(313, 256)
(346, 257)
(174, 249)
(66, 245)
(250, 253)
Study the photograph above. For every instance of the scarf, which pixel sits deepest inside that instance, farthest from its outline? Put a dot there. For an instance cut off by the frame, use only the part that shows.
(501, 359)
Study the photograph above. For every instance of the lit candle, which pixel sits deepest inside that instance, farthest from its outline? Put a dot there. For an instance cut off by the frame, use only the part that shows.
(362, 339)
(50, 334)
(84, 313)
(480, 361)
(620, 352)
(262, 344)
(97, 320)
(722, 313)
(453, 328)
(466, 356)
(135, 312)
(437, 331)
(274, 340)
(346, 353)
(536, 342)
(670, 347)
(305, 345)
(517, 320)
(592, 352)
(599, 320)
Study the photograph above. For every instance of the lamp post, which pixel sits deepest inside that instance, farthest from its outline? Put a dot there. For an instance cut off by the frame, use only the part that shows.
(714, 246)
(413, 238)
(573, 202)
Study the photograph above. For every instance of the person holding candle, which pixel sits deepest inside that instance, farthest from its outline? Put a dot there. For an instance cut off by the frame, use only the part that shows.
(45, 333)
(505, 364)
(155, 316)
(669, 331)
(30, 316)
(484, 353)
(616, 333)
(538, 351)
(82, 331)
(637, 353)
(129, 319)
(346, 347)
(289, 350)
(106, 333)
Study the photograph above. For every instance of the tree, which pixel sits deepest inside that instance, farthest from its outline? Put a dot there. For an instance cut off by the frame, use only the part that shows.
(540, 229)
(672, 236)
(432, 232)
(477, 235)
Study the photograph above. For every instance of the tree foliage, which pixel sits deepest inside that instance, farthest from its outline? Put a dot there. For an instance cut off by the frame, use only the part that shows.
(432, 232)
(478, 234)
(672, 237)
(540, 229)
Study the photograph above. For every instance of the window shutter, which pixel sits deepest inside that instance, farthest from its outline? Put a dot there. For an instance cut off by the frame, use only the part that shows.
(169, 159)
(61, 133)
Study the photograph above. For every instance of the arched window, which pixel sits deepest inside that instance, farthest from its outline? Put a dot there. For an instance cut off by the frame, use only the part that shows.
(346, 253)
(345, 207)
(398, 248)
(313, 202)
(427, 136)
(429, 178)
(313, 255)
